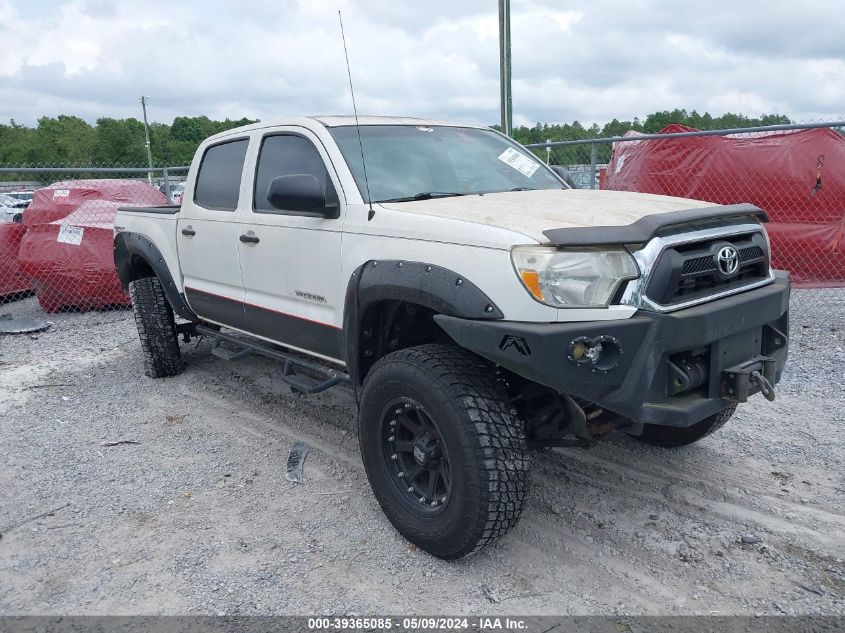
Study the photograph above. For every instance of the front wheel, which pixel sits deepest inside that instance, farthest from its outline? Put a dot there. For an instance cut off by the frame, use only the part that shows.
(674, 436)
(443, 449)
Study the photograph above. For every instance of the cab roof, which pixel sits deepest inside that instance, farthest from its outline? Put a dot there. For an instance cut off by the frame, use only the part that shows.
(337, 120)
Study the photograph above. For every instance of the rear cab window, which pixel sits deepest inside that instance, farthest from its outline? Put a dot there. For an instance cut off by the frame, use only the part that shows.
(218, 182)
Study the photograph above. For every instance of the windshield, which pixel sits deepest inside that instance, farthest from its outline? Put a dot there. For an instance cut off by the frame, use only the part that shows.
(406, 162)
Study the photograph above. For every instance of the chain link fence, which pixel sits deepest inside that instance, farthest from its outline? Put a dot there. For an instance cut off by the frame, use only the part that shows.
(795, 172)
(56, 230)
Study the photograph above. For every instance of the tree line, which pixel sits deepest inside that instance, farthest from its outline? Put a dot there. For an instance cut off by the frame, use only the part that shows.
(71, 141)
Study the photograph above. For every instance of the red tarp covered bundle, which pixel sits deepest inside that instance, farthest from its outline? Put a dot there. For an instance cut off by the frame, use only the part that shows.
(12, 278)
(61, 198)
(67, 250)
(775, 171)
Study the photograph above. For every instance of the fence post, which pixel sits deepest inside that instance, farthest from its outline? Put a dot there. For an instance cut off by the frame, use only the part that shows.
(167, 186)
(593, 160)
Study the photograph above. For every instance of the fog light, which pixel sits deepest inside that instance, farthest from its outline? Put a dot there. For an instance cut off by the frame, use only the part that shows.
(593, 353)
(600, 354)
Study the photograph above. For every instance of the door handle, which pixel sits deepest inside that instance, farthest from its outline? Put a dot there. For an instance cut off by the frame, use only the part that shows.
(249, 239)
(188, 231)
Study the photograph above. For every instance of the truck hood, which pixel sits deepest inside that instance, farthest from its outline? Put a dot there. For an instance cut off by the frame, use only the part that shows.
(532, 212)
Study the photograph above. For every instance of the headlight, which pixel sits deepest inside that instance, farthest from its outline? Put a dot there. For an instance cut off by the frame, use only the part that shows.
(569, 278)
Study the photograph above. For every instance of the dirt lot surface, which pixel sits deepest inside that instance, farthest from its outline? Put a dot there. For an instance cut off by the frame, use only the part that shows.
(196, 516)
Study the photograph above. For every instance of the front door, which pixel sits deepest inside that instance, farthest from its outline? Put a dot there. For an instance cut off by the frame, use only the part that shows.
(290, 262)
(207, 236)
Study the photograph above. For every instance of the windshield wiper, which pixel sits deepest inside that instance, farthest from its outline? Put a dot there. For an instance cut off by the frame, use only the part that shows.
(424, 195)
(523, 189)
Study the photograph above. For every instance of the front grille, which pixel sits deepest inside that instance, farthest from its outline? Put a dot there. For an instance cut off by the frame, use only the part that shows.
(698, 265)
(689, 271)
(747, 254)
(707, 263)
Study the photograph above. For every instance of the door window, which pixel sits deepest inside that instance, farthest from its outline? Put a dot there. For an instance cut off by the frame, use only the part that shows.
(219, 177)
(285, 155)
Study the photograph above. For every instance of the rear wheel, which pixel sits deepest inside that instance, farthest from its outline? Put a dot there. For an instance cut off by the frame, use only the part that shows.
(156, 328)
(673, 436)
(443, 449)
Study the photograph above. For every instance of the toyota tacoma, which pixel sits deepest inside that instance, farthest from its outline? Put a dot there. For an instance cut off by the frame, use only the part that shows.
(476, 305)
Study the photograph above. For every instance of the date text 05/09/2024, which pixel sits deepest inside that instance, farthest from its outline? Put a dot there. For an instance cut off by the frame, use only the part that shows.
(426, 623)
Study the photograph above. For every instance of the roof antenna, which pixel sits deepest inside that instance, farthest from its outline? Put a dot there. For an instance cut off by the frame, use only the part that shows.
(357, 126)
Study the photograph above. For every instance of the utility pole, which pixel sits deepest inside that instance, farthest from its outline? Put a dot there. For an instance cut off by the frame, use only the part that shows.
(147, 139)
(505, 65)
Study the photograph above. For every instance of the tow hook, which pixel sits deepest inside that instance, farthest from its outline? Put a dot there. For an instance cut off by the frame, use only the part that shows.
(766, 387)
(741, 381)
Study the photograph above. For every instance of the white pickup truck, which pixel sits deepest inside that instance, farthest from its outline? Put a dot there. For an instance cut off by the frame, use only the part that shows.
(475, 304)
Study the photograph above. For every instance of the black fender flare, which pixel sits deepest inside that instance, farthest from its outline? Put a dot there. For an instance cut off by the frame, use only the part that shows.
(442, 290)
(134, 250)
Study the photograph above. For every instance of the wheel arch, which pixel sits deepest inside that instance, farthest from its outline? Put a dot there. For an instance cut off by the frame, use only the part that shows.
(390, 305)
(135, 257)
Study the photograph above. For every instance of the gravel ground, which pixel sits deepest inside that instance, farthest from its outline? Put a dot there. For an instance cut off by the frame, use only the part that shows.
(197, 517)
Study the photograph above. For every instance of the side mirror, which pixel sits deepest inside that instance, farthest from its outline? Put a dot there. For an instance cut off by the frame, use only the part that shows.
(297, 192)
(565, 175)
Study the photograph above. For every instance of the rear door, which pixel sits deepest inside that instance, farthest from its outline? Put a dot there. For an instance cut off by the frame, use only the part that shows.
(290, 262)
(207, 235)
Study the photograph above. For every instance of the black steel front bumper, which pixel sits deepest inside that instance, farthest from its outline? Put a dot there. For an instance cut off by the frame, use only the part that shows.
(649, 356)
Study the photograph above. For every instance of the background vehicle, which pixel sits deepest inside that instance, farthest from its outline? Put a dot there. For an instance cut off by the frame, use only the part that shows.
(10, 208)
(23, 197)
(476, 304)
(176, 191)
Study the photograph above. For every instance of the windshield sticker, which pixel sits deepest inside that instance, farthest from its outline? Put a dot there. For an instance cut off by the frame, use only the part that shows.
(519, 162)
(422, 128)
(70, 234)
(61, 193)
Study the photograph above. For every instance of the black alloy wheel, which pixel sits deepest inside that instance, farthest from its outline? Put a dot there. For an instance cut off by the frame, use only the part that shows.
(415, 456)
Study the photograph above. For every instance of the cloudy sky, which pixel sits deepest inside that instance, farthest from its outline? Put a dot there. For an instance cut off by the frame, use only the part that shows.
(572, 60)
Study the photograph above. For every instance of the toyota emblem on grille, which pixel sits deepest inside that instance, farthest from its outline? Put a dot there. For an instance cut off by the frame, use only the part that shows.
(727, 259)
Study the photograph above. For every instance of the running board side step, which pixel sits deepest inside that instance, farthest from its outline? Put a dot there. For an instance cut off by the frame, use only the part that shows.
(296, 373)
